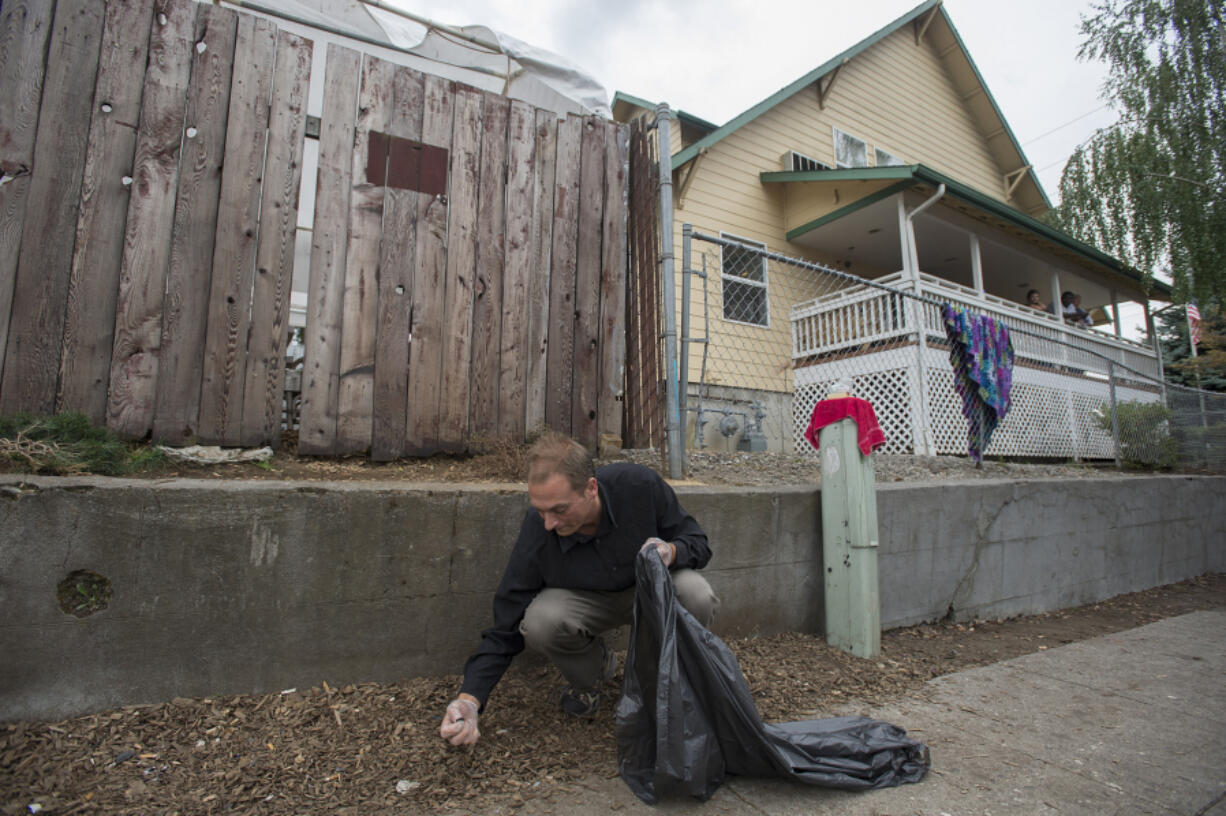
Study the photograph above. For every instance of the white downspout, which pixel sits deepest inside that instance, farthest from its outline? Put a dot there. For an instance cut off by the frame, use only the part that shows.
(925, 443)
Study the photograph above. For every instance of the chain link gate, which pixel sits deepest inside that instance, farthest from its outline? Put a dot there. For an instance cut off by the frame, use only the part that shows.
(765, 336)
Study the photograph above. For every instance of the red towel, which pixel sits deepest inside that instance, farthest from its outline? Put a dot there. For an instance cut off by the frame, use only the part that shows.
(860, 411)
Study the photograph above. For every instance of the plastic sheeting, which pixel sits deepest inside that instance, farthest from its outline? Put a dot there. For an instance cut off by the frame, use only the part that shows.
(535, 75)
(502, 63)
(686, 719)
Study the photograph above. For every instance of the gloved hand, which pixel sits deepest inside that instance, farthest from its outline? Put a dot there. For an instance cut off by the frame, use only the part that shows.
(460, 722)
(666, 549)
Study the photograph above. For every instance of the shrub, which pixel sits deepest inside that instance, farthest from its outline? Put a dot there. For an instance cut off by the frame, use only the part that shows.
(1145, 433)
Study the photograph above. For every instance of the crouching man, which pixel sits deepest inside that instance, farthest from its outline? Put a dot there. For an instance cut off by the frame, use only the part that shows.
(570, 577)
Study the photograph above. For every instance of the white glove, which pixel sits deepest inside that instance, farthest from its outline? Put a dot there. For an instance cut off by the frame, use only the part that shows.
(666, 549)
(460, 722)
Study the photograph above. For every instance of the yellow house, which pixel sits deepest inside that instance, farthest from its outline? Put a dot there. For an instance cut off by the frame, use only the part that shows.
(889, 168)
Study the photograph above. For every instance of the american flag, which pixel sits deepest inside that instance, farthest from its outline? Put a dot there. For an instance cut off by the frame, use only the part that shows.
(1194, 323)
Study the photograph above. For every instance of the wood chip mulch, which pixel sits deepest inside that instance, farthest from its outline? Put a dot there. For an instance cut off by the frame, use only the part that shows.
(374, 748)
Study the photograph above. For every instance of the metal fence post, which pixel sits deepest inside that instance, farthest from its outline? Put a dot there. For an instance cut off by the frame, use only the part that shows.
(676, 462)
(1115, 418)
(684, 378)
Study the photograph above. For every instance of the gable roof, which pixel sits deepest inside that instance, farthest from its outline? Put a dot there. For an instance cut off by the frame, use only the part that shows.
(625, 99)
(1003, 144)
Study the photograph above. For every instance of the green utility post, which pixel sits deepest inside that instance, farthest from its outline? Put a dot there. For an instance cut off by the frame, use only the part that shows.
(849, 539)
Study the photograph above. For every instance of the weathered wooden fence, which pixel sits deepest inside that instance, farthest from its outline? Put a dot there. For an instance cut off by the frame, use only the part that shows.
(645, 364)
(468, 261)
(467, 271)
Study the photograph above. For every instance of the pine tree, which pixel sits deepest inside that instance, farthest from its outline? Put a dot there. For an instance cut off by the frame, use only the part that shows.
(1208, 369)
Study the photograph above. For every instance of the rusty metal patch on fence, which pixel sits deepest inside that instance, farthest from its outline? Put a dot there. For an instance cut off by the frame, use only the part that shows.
(406, 165)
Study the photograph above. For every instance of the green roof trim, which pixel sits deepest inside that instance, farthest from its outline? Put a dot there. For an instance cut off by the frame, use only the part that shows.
(639, 102)
(694, 120)
(800, 84)
(912, 173)
(893, 171)
(873, 198)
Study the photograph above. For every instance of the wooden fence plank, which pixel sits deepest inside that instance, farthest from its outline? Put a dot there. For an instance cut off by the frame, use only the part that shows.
(634, 391)
(559, 375)
(355, 394)
(330, 236)
(613, 285)
(185, 311)
(150, 222)
(588, 256)
(652, 334)
(461, 270)
(539, 291)
(36, 330)
(643, 401)
(274, 264)
(487, 289)
(229, 300)
(397, 257)
(93, 285)
(429, 276)
(517, 270)
(25, 30)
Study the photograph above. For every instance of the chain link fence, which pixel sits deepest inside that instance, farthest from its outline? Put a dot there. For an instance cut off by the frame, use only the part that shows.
(764, 337)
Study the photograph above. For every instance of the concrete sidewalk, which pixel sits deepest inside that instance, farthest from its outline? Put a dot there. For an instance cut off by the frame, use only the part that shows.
(1133, 722)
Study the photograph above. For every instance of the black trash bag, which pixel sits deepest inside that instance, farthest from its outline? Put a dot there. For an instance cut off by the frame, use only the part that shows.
(686, 719)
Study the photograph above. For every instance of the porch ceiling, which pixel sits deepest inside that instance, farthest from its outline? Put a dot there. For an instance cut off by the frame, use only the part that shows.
(862, 235)
(866, 243)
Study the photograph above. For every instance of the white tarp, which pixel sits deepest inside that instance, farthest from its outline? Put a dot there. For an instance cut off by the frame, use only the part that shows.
(510, 66)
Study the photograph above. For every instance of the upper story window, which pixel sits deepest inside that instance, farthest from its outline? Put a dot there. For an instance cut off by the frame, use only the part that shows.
(887, 159)
(849, 151)
(799, 162)
(743, 274)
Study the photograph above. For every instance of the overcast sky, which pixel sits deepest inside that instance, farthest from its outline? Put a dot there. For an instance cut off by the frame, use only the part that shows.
(716, 58)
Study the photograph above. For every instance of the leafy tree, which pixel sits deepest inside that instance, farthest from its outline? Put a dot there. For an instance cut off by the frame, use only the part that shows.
(1151, 189)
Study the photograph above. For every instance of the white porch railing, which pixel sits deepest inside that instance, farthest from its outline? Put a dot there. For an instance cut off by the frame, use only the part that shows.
(861, 317)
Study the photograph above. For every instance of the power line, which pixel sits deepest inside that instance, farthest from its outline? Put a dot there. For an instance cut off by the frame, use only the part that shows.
(1066, 124)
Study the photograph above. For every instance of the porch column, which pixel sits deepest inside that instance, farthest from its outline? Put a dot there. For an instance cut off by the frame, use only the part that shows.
(976, 264)
(1115, 313)
(904, 241)
(917, 376)
(1152, 336)
(1055, 294)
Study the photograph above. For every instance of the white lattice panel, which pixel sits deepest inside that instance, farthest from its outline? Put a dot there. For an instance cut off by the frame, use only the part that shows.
(882, 380)
(1053, 414)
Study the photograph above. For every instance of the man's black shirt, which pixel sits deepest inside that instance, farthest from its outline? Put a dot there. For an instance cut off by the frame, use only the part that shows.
(636, 504)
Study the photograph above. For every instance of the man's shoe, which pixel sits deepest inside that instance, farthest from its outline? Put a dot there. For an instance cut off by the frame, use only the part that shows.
(579, 703)
(584, 703)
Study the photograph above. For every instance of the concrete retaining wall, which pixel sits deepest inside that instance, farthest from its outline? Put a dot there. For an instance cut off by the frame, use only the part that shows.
(243, 587)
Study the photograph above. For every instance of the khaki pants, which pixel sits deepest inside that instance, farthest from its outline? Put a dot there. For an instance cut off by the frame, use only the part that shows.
(565, 625)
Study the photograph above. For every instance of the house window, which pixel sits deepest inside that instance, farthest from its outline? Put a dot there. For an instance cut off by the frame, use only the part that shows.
(743, 273)
(801, 163)
(887, 159)
(849, 151)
